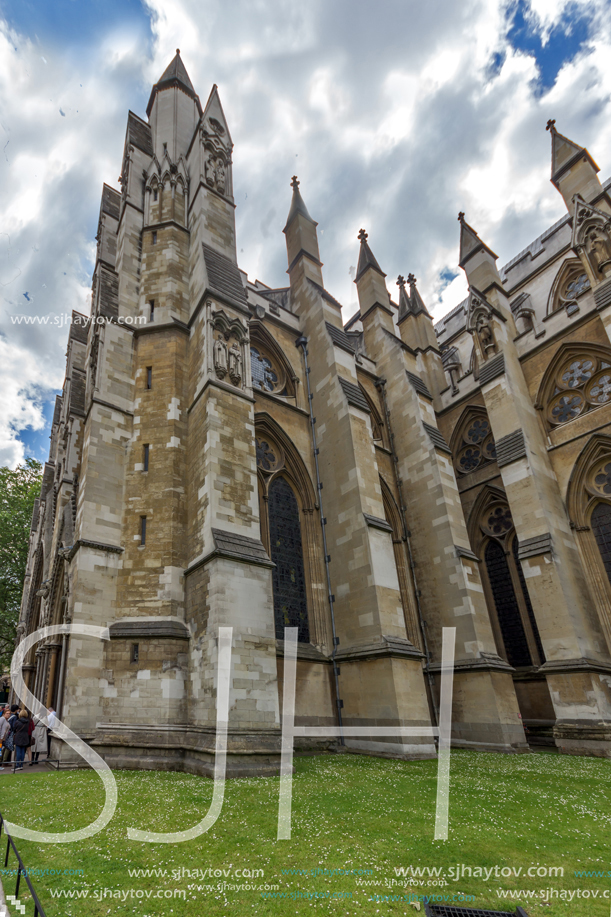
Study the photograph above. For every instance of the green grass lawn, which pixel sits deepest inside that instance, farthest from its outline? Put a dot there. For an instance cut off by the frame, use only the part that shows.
(349, 813)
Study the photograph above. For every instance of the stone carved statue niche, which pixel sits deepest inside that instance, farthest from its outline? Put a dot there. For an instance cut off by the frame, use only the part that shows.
(220, 356)
(480, 323)
(228, 350)
(592, 238)
(217, 156)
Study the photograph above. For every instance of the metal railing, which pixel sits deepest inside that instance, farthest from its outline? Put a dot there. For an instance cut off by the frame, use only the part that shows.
(21, 873)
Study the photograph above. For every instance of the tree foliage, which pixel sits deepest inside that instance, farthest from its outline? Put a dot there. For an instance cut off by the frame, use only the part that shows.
(18, 490)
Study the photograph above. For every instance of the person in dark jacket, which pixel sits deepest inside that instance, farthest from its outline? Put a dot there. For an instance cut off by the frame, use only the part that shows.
(22, 738)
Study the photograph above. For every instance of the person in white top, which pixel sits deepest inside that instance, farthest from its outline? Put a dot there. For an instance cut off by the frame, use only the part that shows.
(4, 731)
(51, 718)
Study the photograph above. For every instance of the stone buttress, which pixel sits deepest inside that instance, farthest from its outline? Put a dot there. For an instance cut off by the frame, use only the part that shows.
(576, 666)
(485, 711)
(380, 679)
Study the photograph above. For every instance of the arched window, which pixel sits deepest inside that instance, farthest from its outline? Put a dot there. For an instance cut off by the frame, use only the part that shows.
(290, 606)
(472, 442)
(600, 521)
(507, 608)
(577, 380)
(514, 624)
(588, 503)
(290, 531)
(270, 369)
(569, 286)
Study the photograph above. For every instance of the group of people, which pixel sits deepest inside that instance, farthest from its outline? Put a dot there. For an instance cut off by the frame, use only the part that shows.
(23, 735)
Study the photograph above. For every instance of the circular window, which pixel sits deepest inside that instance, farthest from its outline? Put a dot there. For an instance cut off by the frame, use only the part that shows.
(477, 447)
(469, 459)
(478, 431)
(577, 373)
(566, 407)
(269, 456)
(599, 390)
(577, 285)
(497, 520)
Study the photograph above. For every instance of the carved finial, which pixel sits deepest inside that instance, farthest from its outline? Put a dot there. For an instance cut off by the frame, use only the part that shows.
(362, 235)
(461, 216)
(411, 279)
(294, 182)
(178, 50)
(400, 281)
(550, 125)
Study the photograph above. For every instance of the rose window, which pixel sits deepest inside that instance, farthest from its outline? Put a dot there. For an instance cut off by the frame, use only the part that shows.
(583, 383)
(478, 431)
(490, 450)
(498, 520)
(577, 373)
(469, 460)
(602, 480)
(567, 407)
(264, 375)
(600, 391)
(577, 286)
(477, 447)
(267, 455)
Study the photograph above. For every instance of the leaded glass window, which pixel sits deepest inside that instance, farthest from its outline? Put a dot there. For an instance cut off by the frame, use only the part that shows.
(583, 383)
(288, 576)
(477, 446)
(263, 373)
(527, 602)
(507, 608)
(601, 526)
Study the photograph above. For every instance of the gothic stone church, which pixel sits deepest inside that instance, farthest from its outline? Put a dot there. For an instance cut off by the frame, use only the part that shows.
(226, 453)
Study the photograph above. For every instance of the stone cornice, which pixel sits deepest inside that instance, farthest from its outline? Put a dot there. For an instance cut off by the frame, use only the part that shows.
(94, 545)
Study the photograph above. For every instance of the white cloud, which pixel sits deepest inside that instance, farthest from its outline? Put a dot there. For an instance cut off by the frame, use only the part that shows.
(394, 119)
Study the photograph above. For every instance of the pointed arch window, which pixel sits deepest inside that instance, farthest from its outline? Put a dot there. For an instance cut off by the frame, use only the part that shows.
(288, 576)
(270, 369)
(569, 286)
(290, 534)
(473, 443)
(515, 625)
(582, 384)
(577, 381)
(600, 521)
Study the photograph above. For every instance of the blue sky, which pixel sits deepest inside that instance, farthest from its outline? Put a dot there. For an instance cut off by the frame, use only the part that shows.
(393, 122)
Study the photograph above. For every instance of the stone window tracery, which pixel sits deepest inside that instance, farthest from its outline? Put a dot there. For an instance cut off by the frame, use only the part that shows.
(582, 383)
(269, 455)
(265, 374)
(515, 627)
(288, 575)
(475, 445)
(569, 286)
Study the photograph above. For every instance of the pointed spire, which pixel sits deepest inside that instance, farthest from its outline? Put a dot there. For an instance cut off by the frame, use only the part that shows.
(177, 71)
(415, 299)
(470, 242)
(366, 258)
(565, 153)
(404, 305)
(297, 205)
(174, 75)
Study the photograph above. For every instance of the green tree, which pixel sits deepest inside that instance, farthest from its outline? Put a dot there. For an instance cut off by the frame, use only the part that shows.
(18, 490)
